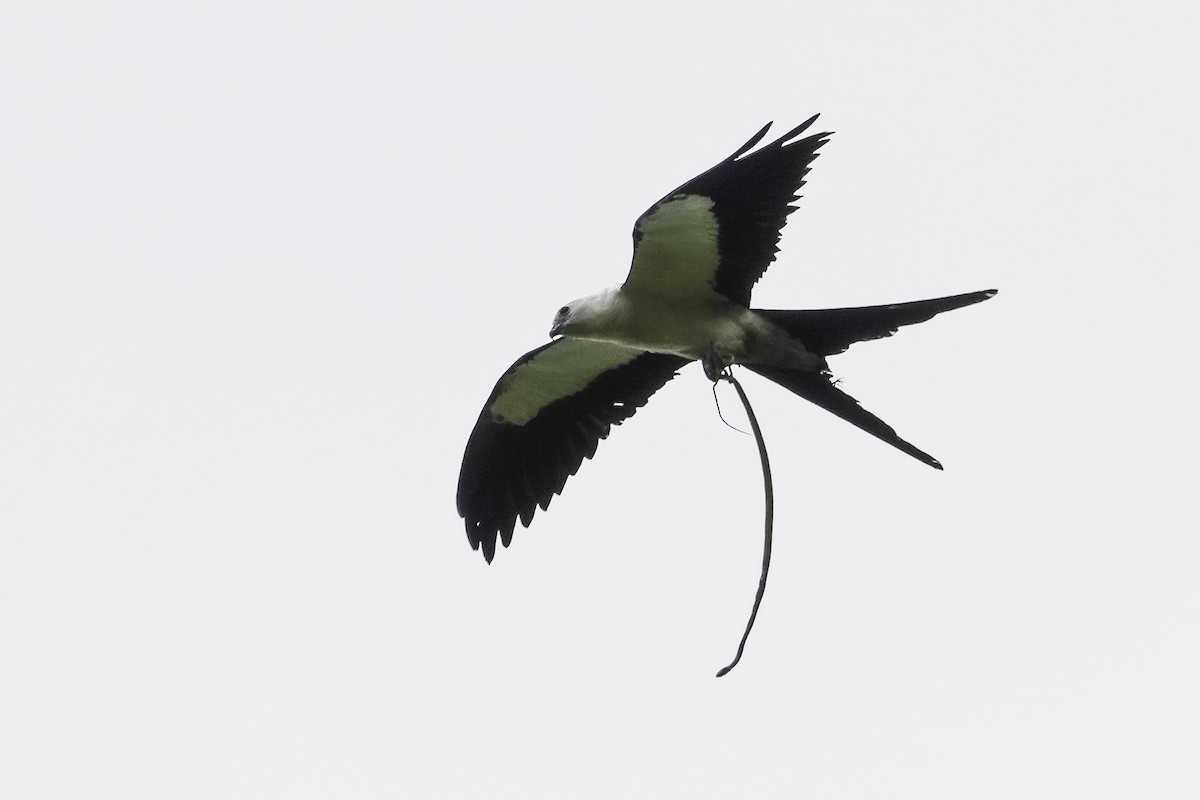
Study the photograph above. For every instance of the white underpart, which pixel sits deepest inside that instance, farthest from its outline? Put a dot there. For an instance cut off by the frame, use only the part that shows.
(688, 326)
(555, 373)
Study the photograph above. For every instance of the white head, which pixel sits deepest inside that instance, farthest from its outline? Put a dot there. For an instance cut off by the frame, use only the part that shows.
(585, 316)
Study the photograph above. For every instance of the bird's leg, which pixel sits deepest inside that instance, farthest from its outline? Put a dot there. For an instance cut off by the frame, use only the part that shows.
(713, 364)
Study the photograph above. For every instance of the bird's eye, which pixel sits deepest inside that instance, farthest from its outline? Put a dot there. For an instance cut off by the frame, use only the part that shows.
(562, 312)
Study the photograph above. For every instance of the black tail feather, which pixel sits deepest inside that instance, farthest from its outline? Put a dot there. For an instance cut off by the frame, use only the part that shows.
(830, 331)
(817, 387)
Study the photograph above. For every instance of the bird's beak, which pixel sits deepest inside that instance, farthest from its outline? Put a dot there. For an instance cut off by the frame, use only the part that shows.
(555, 329)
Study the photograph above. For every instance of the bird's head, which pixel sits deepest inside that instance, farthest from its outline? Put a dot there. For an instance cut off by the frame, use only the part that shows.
(584, 316)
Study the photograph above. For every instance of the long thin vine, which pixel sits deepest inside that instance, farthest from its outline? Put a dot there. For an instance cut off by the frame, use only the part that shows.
(769, 524)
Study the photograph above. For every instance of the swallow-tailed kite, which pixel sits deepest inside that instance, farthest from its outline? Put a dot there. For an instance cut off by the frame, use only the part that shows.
(697, 253)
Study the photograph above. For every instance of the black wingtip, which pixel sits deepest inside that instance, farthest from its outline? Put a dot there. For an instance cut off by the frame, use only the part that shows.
(782, 141)
(482, 542)
(799, 129)
(755, 139)
(787, 139)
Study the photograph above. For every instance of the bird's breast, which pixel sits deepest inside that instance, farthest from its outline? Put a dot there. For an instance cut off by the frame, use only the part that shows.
(687, 327)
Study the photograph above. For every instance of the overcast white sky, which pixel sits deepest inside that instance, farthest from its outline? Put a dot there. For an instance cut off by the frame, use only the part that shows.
(261, 264)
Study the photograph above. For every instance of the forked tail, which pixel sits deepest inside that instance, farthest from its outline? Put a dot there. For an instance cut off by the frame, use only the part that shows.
(830, 331)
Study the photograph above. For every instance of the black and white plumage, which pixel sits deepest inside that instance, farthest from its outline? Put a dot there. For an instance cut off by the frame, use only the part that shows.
(697, 254)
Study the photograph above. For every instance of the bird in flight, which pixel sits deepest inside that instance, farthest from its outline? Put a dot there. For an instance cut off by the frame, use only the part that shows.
(697, 254)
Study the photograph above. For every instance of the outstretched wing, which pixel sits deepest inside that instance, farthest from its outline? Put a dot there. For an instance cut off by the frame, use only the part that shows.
(547, 414)
(719, 231)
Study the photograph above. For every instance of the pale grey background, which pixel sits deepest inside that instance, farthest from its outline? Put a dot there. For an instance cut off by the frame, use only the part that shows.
(261, 263)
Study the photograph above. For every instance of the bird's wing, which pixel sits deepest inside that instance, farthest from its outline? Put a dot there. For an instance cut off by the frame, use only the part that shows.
(546, 415)
(718, 232)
